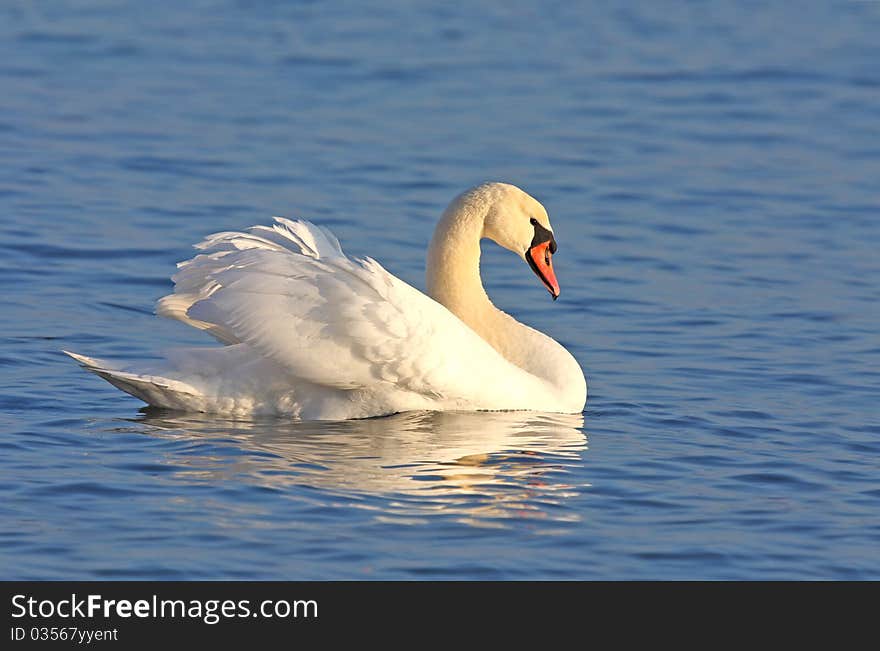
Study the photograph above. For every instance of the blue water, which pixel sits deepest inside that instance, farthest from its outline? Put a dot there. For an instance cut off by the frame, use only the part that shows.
(713, 176)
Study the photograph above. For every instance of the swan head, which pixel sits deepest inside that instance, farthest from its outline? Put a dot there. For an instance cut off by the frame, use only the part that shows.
(519, 223)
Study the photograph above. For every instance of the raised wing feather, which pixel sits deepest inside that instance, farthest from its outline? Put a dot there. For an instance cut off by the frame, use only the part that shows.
(291, 293)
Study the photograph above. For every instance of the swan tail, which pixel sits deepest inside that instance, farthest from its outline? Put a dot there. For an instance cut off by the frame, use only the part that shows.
(154, 390)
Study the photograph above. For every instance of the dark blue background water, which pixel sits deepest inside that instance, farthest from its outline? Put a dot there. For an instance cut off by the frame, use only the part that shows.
(713, 175)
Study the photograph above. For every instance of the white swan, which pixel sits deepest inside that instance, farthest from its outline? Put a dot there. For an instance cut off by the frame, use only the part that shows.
(316, 335)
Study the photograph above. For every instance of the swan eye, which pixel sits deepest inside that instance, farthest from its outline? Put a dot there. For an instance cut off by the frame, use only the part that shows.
(533, 221)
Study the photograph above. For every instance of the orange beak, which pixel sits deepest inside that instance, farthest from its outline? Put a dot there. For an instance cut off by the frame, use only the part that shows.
(540, 259)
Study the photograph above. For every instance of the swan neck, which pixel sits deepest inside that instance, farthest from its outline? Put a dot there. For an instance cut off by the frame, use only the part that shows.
(453, 265)
(453, 280)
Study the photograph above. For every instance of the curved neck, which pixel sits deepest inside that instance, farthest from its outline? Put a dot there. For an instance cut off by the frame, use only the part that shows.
(453, 279)
(453, 265)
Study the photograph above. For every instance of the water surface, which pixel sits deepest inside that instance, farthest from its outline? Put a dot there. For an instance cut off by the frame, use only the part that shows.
(712, 177)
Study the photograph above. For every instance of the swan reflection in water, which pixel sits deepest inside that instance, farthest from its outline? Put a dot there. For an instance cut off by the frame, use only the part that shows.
(481, 466)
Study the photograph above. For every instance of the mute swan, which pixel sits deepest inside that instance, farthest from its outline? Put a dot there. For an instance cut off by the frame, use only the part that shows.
(316, 335)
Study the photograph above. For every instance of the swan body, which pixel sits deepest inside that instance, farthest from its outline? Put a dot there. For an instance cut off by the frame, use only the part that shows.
(314, 334)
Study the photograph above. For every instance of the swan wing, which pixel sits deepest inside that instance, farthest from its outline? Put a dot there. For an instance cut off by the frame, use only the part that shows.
(290, 292)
